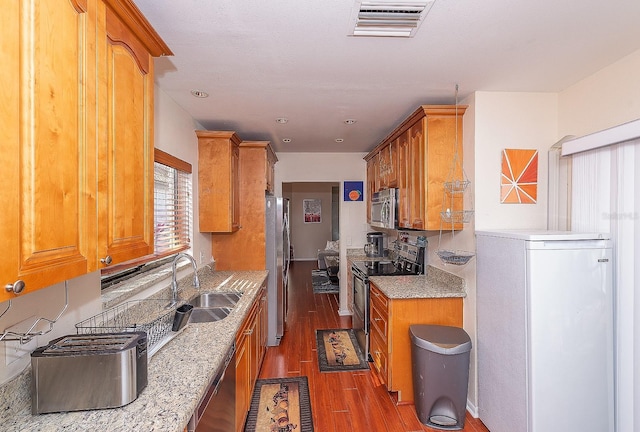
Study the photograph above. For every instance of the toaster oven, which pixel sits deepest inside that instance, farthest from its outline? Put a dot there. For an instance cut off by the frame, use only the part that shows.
(88, 371)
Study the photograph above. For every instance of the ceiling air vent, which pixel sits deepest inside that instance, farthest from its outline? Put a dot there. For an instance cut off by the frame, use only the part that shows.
(389, 18)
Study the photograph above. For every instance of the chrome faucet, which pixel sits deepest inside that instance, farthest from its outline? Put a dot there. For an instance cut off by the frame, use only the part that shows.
(174, 281)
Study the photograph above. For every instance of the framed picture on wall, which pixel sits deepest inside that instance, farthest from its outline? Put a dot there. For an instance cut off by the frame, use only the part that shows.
(312, 210)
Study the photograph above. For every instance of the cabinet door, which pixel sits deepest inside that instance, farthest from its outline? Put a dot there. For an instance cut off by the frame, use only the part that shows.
(243, 395)
(371, 185)
(46, 134)
(417, 176)
(384, 161)
(218, 181)
(392, 164)
(126, 183)
(404, 184)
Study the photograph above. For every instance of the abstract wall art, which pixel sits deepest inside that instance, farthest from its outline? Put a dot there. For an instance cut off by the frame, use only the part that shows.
(519, 178)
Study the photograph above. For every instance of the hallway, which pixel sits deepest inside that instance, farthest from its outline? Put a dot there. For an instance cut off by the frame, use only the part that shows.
(341, 401)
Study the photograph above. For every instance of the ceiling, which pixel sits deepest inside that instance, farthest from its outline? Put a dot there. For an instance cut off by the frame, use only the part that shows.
(260, 60)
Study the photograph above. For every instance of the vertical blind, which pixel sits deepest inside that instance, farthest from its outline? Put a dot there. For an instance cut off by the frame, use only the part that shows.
(172, 209)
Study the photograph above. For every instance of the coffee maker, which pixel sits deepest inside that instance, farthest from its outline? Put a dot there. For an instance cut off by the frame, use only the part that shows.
(375, 245)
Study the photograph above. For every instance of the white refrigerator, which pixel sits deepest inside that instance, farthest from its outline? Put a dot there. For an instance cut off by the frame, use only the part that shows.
(545, 331)
(277, 245)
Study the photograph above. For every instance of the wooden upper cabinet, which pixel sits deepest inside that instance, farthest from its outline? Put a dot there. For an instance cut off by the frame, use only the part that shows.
(55, 151)
(244, 249)
(257, 165)
(270, 167)
(218, 181)
(404, 179)
(126, 191)
(388, 165)
(425, 143)
(46, 129)
(372, 177)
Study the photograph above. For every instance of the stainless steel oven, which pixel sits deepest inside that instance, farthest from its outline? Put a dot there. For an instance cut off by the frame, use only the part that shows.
(407, 259)
(360, 319)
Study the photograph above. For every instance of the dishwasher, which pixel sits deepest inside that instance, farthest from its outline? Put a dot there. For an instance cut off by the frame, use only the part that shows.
(217, 409)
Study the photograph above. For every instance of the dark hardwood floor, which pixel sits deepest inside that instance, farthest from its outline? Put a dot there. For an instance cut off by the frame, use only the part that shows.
(340, 401)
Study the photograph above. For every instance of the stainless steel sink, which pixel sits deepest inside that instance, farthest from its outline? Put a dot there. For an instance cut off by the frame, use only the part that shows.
(215, 299)
(208, 314)
(213, 306)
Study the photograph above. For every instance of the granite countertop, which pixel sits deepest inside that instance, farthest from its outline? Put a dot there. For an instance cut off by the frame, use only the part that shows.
(436, 283)
(178, 374)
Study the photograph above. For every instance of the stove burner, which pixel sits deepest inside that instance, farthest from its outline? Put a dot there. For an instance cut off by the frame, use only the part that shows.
(382, 268)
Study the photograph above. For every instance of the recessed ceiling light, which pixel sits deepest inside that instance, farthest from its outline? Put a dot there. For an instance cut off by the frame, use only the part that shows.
(339, 140)
(282, 120)
(286, 140)
(199, 93)
(350, 121)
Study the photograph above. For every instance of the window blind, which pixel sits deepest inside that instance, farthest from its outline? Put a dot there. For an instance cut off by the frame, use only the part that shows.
(173, 216)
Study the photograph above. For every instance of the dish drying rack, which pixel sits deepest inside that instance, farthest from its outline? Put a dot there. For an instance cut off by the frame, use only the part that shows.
(454, 213)
(146, 315)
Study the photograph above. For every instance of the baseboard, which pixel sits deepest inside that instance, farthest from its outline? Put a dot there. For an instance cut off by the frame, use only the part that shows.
(473, 410)
(343, 312)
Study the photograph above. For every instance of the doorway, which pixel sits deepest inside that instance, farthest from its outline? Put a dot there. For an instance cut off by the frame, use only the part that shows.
(310, 234)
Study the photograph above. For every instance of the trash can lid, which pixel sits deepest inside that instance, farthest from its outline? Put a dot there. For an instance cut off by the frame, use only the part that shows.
(440, 339)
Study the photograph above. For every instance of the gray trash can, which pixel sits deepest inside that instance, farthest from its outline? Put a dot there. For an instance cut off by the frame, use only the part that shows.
(440, 365)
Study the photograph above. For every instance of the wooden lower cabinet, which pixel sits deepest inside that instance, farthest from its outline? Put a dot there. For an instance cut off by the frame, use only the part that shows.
(250, 350)
(390, 340)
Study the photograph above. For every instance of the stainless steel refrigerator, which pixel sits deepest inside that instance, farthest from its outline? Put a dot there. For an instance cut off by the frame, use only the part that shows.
(545, 331)
(278, 258)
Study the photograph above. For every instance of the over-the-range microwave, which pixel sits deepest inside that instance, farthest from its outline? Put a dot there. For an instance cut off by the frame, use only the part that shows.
(384, 209)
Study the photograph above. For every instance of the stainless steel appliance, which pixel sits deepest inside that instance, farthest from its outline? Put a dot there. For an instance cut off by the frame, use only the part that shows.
(278, 257)
(88, 371)
(384, 209)
(408, 259)
(217, 409)
(375, 245)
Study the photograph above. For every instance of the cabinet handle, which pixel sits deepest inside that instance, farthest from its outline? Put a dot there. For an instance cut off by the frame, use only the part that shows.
(248, 332)
(106, 260)
(17, 287)
(377, 319)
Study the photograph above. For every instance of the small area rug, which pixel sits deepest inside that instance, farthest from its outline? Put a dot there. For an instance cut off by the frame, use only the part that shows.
(280, 404)
(338, 350)
(322, 284)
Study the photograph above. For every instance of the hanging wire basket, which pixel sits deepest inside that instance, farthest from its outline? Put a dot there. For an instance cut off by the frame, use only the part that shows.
(456, 186)
(458, 216)
(455, 257)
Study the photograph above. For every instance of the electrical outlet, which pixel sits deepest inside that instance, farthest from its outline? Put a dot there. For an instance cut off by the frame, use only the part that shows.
(202, 254)
(14, 350)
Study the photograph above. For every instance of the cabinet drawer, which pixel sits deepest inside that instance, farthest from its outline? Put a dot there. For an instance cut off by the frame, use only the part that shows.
(378, 298)
(380, 321)
(379, 355)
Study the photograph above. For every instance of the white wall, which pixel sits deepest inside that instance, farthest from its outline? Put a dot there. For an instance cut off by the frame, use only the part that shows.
(331, 167)
(517, 121)
(605, 99)
(175, 134)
